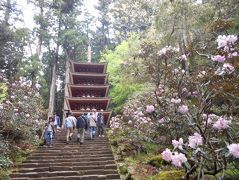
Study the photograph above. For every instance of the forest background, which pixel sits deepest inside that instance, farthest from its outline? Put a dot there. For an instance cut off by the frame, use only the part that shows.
(126, 34)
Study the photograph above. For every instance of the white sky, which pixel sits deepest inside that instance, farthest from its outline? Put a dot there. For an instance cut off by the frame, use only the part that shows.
(28, 10)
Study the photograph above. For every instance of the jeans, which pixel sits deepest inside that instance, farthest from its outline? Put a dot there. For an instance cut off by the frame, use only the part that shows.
(100, 130)
(92, 132)
(49, 137)
(81, 134)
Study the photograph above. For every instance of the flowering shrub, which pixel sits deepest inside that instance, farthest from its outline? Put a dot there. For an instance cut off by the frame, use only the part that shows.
(21, 115)
(196, 109)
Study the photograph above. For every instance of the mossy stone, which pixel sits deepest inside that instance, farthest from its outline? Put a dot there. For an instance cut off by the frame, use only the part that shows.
(123, 170)
(156, 161)
(169, 175)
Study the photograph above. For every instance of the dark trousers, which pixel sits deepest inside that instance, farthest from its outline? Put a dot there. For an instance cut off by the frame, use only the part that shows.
(100, 130)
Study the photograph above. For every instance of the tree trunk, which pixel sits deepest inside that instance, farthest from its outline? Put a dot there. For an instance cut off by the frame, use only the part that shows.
(54, 69)
(52, 91)
(7, 12)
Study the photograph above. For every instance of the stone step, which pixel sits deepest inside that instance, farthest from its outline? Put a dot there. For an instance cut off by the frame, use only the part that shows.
(66, 168)
(68, 160)
(73, 150)
(65, 173)
(75, 155)
(29, 165)
(90, 160)
(70, 156)
(85, 177)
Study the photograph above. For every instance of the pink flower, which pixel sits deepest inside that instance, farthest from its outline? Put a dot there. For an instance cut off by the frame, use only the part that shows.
(149, 108)
(227, 67)
(167, 155)
(223, 40)
(201, 74)
(184, 90)
(218, 58)
(234, 150)
(232, 39)
(178, 159)
(183, 109)
(140, 113)
(208, 122)
(15, 110)
(184, 57)
(195, 140)
(235, 54)
(221, 124)
(175, 101)
(161, 121)
(177, 144)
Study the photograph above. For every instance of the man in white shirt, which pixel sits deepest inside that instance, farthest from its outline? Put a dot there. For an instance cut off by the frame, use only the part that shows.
(70, 124)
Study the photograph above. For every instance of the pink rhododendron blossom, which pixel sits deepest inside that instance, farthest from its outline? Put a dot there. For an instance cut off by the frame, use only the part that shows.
(231, 39)
(208, 122)
(218, 58)
(204, 116)
(202, 74)
(213, 116)
(178, 159)
(140, 113)
(235, 54)
(15, 110)
(167, 49)
(221, 124)
(177, 144)
(183, 109)
(149, 108)
(195, 140)
(223, 40)
(228, 68)
(167, 155)
(234, 150)
(184, 57)
(184, 90)
(161, 121)
(176, 101)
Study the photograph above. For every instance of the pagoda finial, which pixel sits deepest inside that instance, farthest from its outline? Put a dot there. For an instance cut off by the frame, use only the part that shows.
(89, 53)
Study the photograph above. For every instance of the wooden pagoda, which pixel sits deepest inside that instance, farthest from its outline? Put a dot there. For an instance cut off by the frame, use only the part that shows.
(86, 89)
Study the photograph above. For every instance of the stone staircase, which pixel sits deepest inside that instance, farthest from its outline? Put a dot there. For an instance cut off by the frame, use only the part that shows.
(91, 160)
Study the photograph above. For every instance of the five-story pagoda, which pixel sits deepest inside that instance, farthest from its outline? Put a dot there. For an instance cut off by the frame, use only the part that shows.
(86, 89)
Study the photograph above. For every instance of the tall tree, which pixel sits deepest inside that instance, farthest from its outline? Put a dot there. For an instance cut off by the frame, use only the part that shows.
(12, 39)
(132, 16)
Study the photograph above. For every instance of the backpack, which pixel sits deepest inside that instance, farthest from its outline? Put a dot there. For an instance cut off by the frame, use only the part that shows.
(80, 123)
(100, 120)
(86, 121)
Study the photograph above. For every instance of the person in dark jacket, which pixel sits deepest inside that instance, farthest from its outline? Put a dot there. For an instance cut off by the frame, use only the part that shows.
(82, 126)
(100, 124)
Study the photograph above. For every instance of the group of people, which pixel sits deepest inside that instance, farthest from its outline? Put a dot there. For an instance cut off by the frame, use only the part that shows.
(92, 121)
(88, 121)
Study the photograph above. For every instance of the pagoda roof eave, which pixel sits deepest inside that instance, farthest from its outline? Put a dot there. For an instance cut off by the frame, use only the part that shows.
(89, 63)
(88, 98)
(89, 74)
(88, 86)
